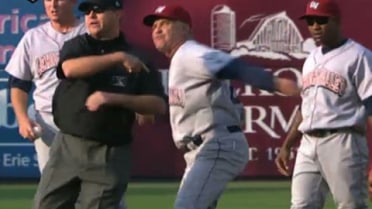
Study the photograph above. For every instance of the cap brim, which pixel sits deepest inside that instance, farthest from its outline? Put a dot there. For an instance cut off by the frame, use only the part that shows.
(84, 6)
(150, 19)
(314, 15)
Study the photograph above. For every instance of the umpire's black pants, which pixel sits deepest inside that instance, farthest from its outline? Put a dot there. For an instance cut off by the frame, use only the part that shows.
(94, 173)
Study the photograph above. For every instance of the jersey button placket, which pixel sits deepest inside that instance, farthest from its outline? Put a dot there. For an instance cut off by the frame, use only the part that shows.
(313, 106)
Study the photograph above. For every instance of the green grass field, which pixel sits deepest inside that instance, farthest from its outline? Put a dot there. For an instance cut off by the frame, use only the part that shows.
(240, 195)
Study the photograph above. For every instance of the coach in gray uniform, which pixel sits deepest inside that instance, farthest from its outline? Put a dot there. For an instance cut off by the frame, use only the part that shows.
(204, 122)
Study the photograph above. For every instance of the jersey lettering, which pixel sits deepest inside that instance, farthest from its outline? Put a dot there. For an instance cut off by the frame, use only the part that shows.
(327, 79)
(176, 97)
(46, 62)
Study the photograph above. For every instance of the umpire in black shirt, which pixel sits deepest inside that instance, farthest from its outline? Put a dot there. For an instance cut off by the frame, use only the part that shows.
(103, 84)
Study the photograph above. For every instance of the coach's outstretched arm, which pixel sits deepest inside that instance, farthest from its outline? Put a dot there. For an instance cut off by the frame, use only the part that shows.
(258, 77)
(292, 138)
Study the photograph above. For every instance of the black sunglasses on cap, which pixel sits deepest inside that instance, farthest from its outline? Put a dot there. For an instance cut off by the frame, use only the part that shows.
(95, 9)
(319, 20)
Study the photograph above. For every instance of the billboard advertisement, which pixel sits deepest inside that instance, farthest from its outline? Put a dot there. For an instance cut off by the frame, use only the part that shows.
(266, 33)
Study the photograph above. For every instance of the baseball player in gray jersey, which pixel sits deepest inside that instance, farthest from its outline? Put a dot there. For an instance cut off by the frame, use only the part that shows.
(204, 122)
(336, 102)
(34, 61)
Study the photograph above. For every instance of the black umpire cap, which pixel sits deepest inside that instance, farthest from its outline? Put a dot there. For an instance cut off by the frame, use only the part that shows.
(86, 5)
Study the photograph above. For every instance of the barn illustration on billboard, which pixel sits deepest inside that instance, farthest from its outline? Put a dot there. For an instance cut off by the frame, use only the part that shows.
(277, 32)
(274, 36)
(223, 29)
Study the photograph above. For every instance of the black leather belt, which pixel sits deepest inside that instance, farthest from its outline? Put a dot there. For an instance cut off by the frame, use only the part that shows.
(326, 132)
(195, 141)
(233, 129)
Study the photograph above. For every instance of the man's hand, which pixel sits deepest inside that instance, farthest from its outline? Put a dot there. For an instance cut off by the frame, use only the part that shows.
(133, 64)
(145, 119)
(96, 100)
(26, 129)
(286, 86)
(282, 160)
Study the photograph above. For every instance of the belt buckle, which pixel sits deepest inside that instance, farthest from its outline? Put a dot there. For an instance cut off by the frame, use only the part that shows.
(323, 133)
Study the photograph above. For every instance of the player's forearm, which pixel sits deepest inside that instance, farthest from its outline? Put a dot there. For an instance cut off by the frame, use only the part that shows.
(257, 77)
(90, 65)
(19, 100)
(293, 135)
(143, 104)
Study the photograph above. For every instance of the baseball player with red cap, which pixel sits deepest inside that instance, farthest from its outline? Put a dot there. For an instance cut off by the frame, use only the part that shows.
(205, 124)
(336, 106)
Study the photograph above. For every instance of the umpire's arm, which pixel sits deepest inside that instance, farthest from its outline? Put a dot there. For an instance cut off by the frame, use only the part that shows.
(74, 64)
(143, 104)
(149, 98)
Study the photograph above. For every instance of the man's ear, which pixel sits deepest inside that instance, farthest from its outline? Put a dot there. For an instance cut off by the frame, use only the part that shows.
(186, 28)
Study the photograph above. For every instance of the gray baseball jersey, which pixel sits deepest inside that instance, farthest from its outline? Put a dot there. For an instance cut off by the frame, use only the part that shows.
(200, 104)
(199, 101)
(36, 58)
(334, 85)
(333, 154)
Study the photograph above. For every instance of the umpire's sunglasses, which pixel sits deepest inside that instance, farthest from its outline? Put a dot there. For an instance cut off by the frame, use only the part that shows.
(94, 9)
(319, 20)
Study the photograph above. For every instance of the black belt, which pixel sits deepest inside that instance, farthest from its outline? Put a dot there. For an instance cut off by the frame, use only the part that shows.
(233, 129)
(326, 132)
(198, 140)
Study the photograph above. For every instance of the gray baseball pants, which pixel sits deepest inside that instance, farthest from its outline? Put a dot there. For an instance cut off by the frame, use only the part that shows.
(94, 173)
(337, 163)
(209, 169)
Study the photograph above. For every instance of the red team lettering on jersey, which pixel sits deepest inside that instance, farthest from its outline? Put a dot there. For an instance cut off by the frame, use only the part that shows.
(46, 62)
(36, 58)
(327, 79)
(176, 97)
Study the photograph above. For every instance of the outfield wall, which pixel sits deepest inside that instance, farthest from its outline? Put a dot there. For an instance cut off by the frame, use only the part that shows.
(263, 32)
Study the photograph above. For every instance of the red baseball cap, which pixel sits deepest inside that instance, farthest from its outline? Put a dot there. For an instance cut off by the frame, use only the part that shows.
(173, 12)
(324, 8)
